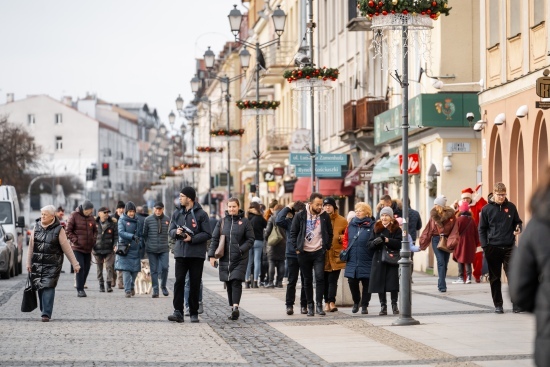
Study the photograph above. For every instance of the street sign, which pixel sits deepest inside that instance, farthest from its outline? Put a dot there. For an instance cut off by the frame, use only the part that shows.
(321, 170)
(304, 159)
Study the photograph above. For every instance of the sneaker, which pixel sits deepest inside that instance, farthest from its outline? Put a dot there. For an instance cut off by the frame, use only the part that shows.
(201, 309)
(290, 310)
(186, 313)
(234, 314)
(516, 309)
(499, 309)
(128, 295)
(303, 310)
(459, 281)
(165, 292)
(155, 295)
(81, 294)
(194, 318)
(45, 318)
(176, 316)
(468, 280)
(133, 292)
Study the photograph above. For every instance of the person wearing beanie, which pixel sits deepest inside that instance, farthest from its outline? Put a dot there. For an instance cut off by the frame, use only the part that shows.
(155, 240)
(130, 231)
(82, 232)
(499, 224)
(119, 209)
(333, 264)
(190, 227)
(441, 223)
(465, 252)
(386, 237)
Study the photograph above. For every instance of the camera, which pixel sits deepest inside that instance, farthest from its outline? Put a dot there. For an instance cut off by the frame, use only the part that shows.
(470, 116)
(186, 230)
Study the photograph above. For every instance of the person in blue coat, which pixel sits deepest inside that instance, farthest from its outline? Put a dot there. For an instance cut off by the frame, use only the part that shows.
(359, 263)
(129, 232)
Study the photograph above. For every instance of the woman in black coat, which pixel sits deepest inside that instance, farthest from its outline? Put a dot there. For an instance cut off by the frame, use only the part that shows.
(384, 277)
(239, 238)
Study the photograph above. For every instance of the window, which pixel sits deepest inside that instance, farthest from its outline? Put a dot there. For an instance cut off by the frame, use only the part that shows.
(58, 143)
(494, 14)
(58, 118)
(515, 18)
(538, 11)
(30, 119)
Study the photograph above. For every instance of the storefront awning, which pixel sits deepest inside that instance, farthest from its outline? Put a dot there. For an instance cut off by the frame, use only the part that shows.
(327, 187)
(379, 172)
(393, 168)
(353, 178)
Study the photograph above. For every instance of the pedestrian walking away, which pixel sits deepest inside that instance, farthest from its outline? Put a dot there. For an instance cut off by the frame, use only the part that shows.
(529, 281)
(499, 224)
(237, 236)
(258, 224)
(47, 245)
(359, 263)
(276, 248)
(465, 252)
(82, 233)
(155, 240)
(311, 237)
(333, 264)
(117, 275)
(284, 221)
(190, 227)
(129, 233)
(104, 249)
(384, 277)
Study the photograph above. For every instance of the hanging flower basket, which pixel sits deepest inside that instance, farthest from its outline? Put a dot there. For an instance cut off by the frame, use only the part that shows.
(209, 150)
(257, 105)
(224, 132)
(416, 14)
(184, 166)
(309, 73)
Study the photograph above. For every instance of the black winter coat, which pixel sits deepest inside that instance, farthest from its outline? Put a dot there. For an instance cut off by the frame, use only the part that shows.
(384, 277)
(106, 239)
(258, 224)
(275, 252)
(239, 238)
(198, 221)
(298, 230)
(47, 257)
(360, 255)
(285, 223)
(497, 224)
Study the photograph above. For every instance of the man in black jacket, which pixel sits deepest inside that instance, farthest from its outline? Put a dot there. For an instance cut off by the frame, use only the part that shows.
(104, 248)
(311, 237)
(190, 227)
(499, 224)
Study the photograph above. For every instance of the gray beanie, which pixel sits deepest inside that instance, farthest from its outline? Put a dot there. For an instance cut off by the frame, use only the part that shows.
(87, 204)
(386, 210)
(441, 200)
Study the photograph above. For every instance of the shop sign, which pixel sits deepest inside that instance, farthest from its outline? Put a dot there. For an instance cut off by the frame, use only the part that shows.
(279, 171)
(269, 177)
(543, 90)
(321, 170)
(414, 164)
(289, 186)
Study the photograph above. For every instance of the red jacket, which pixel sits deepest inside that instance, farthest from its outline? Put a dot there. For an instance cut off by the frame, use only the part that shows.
(81, 231)
(468, 239)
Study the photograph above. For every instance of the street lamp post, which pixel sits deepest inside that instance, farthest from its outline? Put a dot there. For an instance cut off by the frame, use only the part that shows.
(279, 19)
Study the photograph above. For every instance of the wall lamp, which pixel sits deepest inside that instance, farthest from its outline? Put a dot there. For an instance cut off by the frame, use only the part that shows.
(480, 125)
(522, 111)
(438, 84)
(500, 119)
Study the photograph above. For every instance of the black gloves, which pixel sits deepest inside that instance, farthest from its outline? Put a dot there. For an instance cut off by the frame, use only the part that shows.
(377, 241)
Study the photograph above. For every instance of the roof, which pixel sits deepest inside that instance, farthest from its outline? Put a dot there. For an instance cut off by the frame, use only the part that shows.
(124, 113)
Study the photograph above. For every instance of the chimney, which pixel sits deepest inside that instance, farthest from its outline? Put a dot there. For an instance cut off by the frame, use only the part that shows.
(9, 97)
(68, 100)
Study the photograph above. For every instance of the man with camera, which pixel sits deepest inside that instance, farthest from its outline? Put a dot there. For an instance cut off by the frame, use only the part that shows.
(190, 227)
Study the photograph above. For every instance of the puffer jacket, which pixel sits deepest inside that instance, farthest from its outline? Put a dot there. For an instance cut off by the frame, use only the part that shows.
(275, 252)
(82, 231)
(438, 224)
(360, 255)
(129, 231)
(497, 223)
(332, 256)
(47, 257)
(198, 221)
(106, 239)
(155, 234)
(239, 238)
(384, 277)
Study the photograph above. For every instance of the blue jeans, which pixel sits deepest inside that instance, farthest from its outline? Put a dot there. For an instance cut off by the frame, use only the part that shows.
(129, 278)
(442, 258)
(159, 266)
(46, 297)
(256, 253)
(186, 292)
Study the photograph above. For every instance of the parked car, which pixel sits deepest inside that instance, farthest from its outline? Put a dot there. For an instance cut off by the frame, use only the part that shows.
(8, 258)
(13, 222)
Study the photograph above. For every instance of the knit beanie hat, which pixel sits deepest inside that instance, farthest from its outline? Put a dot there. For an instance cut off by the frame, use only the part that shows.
(189, 192)
(129, 206)
(386, 210)
(120, 204)
(441, 200)
(464, 206)
(87, 204)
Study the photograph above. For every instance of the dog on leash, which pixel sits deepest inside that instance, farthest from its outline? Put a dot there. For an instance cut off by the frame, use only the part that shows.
(143, 283)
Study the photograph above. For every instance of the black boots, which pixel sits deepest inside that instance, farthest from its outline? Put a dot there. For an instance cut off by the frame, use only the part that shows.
(320, 309)
(109, 289)
(255, 284)
(355, 308)
(101, 287)
(247, 284)
(364, 310)
(395, 309)
(384, 310)
(310, 310)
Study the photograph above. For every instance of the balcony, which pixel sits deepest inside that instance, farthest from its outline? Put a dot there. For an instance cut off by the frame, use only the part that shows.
(356, 23)
(277, 59)
(348, 134)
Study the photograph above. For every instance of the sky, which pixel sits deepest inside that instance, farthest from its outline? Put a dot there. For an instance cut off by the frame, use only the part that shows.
(121, 50)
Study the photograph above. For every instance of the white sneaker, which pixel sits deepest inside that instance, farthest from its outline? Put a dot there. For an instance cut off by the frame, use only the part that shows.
(468, 280)
(459, 281)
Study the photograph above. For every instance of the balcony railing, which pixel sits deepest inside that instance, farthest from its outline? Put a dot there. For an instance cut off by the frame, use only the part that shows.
(350, 115)
(280, 56)
(366, 109)
(278, 139)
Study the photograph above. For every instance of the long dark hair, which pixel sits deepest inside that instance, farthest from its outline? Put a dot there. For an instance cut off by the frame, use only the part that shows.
(540, 200)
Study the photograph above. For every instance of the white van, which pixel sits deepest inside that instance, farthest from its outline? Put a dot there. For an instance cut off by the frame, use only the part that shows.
(12, 222)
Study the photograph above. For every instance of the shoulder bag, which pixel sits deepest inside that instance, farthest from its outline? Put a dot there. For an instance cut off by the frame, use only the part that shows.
(344, 254)
(220, 251)
(275, 237)
(443, 245)
(122, 249)
(389, 256)
(29, 303)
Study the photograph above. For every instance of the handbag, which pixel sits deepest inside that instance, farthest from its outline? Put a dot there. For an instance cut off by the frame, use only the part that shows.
(220, 251)
(122, 249)
(344, 254)
(30, 302)
(389, 256)
(442, 245)
(275, 237)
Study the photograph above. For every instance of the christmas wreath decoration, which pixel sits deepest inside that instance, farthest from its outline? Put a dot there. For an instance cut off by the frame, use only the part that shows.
(309, 72)
(262, 105)
(430, 8)
(209, 150)
(223, 132)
